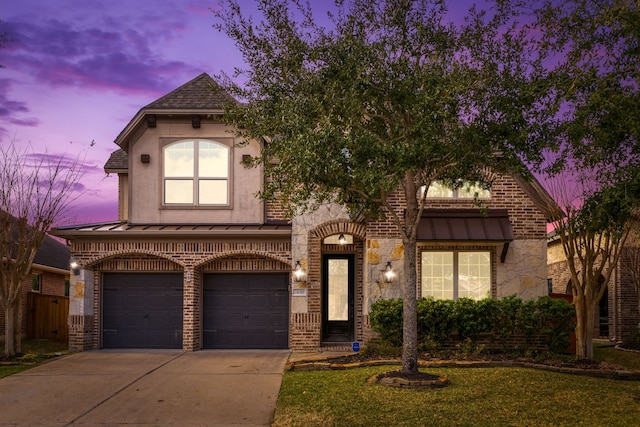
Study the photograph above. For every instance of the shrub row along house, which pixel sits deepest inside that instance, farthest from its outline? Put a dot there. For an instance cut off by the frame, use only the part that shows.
(197, 261)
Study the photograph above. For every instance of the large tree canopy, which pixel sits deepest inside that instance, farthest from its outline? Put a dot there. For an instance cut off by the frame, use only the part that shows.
(389, 96)
(596, 82)
(391, 87)
(596, 44)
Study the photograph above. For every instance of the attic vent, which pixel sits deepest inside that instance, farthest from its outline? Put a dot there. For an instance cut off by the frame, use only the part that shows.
(195, 121)
(151, 120)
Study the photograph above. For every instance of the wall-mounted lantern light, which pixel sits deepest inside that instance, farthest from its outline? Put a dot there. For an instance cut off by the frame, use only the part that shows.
(388, 274)
(341, 239)
(75, 267)
(298, 272)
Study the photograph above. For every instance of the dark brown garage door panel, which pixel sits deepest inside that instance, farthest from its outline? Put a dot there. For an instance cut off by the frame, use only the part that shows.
(142, 310)
(246, 310)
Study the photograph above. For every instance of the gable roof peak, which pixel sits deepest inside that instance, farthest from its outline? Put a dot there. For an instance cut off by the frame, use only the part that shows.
(199, 93)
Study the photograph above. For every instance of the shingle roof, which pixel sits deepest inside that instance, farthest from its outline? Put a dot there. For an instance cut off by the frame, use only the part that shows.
(201, 93)
(118, 162)
(53, 254)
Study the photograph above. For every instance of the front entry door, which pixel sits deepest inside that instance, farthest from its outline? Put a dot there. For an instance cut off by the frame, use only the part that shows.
(337, 298)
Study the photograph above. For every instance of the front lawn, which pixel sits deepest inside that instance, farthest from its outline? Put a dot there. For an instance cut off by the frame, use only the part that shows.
(34, 353)
(475, 397)
(609, 354)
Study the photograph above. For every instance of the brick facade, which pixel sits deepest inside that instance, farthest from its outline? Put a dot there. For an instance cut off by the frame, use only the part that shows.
(191, 258)
(622, 297)
(161, 240)
(51, 284)
(379, 242)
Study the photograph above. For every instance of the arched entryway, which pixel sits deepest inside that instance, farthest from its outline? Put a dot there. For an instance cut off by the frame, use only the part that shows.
(336, 281)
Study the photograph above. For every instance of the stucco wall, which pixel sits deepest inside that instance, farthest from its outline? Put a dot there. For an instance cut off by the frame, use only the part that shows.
(145, 179)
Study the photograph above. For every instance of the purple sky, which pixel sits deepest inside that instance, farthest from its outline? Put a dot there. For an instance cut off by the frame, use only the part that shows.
(78, 71)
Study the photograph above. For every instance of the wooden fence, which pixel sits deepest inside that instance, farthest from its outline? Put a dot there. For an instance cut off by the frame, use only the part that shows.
(47, 317)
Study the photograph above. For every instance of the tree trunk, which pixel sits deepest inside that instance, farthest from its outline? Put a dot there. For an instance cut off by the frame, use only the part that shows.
(17, 325)
(584, 329)
(410, 319)
(9, 342)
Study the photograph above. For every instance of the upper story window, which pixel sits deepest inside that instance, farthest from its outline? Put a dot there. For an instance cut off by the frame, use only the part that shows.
(196, 172)
(468, 190)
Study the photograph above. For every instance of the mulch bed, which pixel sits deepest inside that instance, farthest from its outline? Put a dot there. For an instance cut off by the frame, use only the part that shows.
(398, 379)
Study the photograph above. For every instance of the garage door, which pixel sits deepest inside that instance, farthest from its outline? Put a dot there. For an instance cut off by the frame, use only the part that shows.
(142, 310)
(243, 310)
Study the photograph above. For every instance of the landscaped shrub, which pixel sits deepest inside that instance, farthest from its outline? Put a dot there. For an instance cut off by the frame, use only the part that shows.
(465, 321)
(472, 317)
(436, 321)
(386, 319)
(504, 318)
(557, 322)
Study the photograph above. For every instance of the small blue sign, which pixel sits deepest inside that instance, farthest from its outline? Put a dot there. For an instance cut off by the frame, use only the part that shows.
(355, 347)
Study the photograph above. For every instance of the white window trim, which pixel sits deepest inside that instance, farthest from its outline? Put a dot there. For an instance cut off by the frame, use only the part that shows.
(455, 252)
(225, 141)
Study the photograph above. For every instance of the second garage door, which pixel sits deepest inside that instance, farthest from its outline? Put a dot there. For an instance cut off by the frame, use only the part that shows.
(142, 310)
(245, 310)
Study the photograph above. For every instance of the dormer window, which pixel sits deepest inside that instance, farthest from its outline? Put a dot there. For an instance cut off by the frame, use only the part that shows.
(196, 173)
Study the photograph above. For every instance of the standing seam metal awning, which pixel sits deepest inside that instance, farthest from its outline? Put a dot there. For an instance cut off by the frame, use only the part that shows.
(488, 225)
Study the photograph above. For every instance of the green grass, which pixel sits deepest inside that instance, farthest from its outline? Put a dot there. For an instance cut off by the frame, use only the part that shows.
(607, 353)
(475, 397)
(34, 353)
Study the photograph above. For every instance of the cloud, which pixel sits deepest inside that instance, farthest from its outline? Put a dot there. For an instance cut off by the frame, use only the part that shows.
(9, 108)
(12, 112)
(124, 57)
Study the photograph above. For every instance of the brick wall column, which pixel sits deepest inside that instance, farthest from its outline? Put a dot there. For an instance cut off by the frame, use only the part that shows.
(81, 314)
(191, 311)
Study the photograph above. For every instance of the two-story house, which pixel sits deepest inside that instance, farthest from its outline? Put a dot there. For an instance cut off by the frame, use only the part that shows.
(196, 261)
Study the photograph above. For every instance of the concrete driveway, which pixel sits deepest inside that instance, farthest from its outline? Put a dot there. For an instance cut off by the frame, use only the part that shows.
(147, 388)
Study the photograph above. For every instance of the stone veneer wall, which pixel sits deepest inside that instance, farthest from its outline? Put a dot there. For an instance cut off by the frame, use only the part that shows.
(193, 258)
(308, 232)
(382, 243)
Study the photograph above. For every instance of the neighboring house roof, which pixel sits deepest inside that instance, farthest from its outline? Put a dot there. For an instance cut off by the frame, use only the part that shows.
(202, 95)
(118, 162)
(123, 228)
(51, 254)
